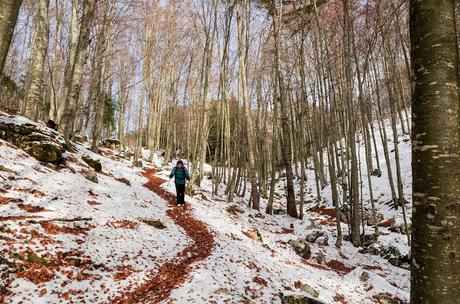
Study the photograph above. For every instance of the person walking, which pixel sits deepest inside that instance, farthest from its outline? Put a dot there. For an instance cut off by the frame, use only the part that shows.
(180, 174)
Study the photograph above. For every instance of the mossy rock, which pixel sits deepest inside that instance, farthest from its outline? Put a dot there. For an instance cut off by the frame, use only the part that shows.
(7, 170)
(234, 209)
(42, 143)
(93, 163)
(306, 288)
(302, 248)
(90, 175)
(35, 259)
(112, 143)
(298, 299)
(46, 152)
(154, 223)
(386, 298)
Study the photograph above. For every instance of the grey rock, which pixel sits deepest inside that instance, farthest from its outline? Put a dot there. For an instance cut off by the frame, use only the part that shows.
(395, 257)
(93, 163)
(313, 236)
(321, 258)
(389, 252)
(138, 164)
(91, 175)
(302, 248)
(42, 143)
(298, 299)
(364, 276)
(372, 249)
(370, 219)
(323, 240)
(306, 288)
(111, 143)
(384, 298)
(279, 211)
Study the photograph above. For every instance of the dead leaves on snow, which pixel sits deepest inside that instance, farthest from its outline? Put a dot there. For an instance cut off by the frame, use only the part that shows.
(31, 209)
(52, 228)
(9, 200)
(37, 275)
(126, 224)
(174, 272)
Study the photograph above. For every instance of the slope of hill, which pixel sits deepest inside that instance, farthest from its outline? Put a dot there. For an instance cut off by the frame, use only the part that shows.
(65, 238)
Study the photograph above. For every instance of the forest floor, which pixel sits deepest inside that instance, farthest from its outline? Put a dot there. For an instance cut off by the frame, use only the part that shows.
(66, 239)
(174, 272)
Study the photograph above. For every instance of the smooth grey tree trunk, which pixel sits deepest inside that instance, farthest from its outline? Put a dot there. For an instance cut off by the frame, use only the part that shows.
(354, 178)
(286, 146)
(41, 36)
(435, 149)
(9, 11)
(247, 114)
(76, 70)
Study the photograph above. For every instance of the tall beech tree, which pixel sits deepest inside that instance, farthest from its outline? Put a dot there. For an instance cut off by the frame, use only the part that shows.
(74, 77)
(9, 11)
(436, 153)
(34, 91)
(267, 92)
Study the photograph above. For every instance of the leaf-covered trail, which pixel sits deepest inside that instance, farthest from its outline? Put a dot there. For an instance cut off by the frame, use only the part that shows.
(174, 272)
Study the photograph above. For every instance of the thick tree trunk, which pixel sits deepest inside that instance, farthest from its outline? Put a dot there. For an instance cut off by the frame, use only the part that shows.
(436, 148)
(73, 45)
(9, 11)
(41, 35)
(76, 73)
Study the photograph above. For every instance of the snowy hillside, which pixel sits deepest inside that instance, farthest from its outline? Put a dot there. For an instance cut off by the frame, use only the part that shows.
(67, 239)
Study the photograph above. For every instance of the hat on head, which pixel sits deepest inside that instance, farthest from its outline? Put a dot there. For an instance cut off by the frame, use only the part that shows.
(180, 162)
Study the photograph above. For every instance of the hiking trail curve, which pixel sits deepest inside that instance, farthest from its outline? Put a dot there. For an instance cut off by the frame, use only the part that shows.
(174, 272)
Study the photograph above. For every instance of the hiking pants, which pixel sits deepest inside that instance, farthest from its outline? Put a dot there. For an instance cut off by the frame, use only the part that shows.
(180, 191)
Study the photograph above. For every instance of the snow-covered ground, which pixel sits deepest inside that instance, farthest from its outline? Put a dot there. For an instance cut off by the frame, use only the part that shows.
(93, 236)
(105, 246)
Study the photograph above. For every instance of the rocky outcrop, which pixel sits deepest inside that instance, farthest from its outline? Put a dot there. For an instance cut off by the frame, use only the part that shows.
(93, 163)
(90, 175)
(112, 143)
(79, 138)
(319, 237)
(302, 248)
(44, 144)
(138, 164)
(395, 258)
(298, 299)
(386, 298)
(306, 288)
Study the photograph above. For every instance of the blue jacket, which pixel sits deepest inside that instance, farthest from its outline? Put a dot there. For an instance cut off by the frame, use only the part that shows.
(180, 175)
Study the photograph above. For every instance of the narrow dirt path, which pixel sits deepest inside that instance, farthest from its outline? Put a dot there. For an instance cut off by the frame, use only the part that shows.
(174, 272)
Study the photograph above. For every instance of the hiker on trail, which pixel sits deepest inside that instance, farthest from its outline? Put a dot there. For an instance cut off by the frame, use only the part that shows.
(180, 175)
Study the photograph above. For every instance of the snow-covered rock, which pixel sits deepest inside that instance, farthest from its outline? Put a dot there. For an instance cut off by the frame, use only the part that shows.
(45, 144)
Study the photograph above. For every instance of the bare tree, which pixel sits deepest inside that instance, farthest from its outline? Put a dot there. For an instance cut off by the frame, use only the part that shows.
(74, 80)
(9, 11)
(436, 147)
(41, 34)
(248, 120)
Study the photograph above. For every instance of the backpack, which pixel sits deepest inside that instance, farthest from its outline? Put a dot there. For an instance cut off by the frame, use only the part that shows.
(180, 174)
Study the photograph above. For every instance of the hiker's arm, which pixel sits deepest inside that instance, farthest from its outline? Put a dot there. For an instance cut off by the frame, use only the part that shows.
(172, 173)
